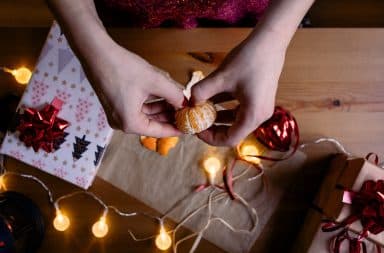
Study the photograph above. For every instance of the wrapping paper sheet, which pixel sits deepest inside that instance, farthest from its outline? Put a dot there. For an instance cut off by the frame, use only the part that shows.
(160, 182)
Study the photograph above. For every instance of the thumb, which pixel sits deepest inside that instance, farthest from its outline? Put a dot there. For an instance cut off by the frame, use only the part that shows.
(207, 88)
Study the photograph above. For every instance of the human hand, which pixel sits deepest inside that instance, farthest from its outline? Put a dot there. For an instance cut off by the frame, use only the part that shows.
(250, 73)
(124, 83)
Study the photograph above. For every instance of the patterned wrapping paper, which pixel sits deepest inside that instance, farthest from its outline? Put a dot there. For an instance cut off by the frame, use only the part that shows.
(58, 74)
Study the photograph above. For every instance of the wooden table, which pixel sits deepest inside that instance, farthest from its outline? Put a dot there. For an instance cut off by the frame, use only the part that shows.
(332, 81)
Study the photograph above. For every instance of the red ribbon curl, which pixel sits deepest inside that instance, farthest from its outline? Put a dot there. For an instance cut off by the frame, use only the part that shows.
(278, 133)
(368, 207)
(42, 128)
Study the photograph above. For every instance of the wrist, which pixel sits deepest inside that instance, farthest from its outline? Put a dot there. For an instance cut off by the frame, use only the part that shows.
(268, 40)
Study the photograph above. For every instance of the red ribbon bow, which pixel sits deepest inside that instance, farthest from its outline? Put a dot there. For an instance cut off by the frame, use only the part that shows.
(368, 207)
(42, 129)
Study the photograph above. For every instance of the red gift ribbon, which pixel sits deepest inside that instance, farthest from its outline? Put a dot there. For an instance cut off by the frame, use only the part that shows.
(42, 128)
(227, 180)
(278, 133)
(368, 207)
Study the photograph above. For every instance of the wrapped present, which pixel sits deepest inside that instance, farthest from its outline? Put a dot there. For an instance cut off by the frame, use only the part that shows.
(60, 127)
(348, 213)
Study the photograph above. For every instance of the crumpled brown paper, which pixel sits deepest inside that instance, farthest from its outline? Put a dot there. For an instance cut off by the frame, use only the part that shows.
(160, 182)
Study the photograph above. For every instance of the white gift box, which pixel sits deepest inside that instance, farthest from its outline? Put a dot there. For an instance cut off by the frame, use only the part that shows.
(58, 74)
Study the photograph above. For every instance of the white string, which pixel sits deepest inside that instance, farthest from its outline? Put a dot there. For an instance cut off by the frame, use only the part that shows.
(122, 213)
(55, 203)
(176, 244)
(338, 145)
(45, 187)
(199, 233)
(258, 175)
(136, 239)
(91, 194)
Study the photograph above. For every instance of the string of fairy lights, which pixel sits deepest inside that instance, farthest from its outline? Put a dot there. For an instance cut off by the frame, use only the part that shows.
(163, 241)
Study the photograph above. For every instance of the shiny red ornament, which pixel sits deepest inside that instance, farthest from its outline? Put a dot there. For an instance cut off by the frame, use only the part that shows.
(277, 132)
(368, 207)
(42, 128)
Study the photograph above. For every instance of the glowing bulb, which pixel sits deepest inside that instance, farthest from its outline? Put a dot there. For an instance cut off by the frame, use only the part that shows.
(22, 75)
(100, 228)
(212, 165)
(247, 152)
(163, 241)
(61, 222)
(2, 183)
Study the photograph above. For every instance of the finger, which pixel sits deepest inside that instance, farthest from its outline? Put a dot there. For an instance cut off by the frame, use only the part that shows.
(207, 88)
(226, 116)
(163, 117)
(169, 89)
(222, 97)
(245, 123)
(230, 136)
(156, 107)
(153, 128)
(215, 135)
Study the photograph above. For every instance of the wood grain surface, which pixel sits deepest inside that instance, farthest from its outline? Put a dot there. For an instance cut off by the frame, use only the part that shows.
(332, 82)
(332, 79)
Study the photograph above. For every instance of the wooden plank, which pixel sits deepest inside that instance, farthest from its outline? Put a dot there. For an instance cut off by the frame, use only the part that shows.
(347, 13)
(330, 75)
(24, 13)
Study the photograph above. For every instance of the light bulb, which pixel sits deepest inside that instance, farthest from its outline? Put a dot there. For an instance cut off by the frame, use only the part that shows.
(22, 74)
(163, 241)
(61, 222)
(2, 183)
(100, 228)
(248, 151)
(212, 165)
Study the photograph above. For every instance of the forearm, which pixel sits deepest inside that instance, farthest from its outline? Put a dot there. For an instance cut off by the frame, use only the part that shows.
(282, 19)
(82, 27)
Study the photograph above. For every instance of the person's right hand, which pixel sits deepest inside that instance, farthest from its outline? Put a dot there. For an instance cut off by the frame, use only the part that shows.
(124, 82)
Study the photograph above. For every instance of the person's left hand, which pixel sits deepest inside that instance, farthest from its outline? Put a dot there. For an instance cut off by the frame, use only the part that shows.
(250, 73)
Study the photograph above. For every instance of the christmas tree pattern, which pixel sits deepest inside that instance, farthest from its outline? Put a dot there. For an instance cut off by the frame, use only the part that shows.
(98, 154)
(57, 143)
(79, 147)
